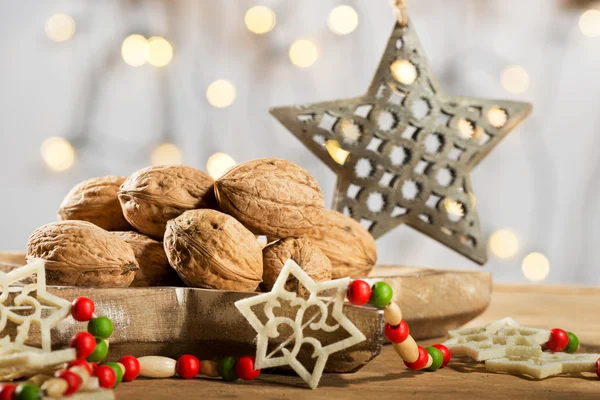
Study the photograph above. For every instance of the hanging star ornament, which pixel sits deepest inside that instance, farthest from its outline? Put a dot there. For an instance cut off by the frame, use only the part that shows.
(403, 151)
(316, 321)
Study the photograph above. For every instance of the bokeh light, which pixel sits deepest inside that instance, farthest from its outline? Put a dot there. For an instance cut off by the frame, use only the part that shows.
(515, 79)
(160, 51)
(404, 72)
(303, 53)
(465, 128)
(503, 244)
(342, 20)
(260, 19)
(497, 117)
(58, 153)
(218, 164)
(60, 27)
(166, 154)
(220, 93)
(336, 152)
(536, 267)
(589, 23)
(135, 50)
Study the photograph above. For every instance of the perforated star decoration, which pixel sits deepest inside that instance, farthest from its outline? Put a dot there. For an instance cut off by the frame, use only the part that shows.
(404, 150)
(269, 329)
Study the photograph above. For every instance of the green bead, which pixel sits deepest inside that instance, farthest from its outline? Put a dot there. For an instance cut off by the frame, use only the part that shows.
(436, 356)
(227, 369)
(101, 327)
(118, 371)
(573, 344)
(100, 351)
(27, 391)
(381, 294)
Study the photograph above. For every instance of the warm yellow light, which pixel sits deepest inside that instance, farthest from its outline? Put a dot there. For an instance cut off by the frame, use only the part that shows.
(454, 209)
(404, 72)
(503, 244)
(497, 117)
(515, 79)
(218, 164)
(336, 152)
(166, 154)
(465, 129)
(589, 23)
(350, 130)
(135, 50)
(303, 53)
(260, 20)
(60, 27)
(535, 267)
(342, 20)
(220, 93)
(58, 153)
(160, 51)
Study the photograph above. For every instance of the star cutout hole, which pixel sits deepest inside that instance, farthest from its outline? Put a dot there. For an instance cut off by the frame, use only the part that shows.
(434, 142)
(363, 111)
(398, 211)
(387, 179)
(327, 122)
(375, 202)
(364, 168)
(375, 145)
(455, 153)
(410, 190)
(420, 108)
(353, 191)
(445, 176)
(399, 156)
(387, 121)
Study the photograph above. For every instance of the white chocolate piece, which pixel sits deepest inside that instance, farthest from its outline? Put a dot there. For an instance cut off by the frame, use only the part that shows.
(429, 361)
(545, 365)
(407, 350)
(269, 301)
(209, 368)
(55, 387)
(157, 367)
(392, 314)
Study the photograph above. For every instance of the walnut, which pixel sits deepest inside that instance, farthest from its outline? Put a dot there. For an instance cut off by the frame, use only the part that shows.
(95, 200)
(348, 245)
(155, 269)
(212, 250)
(79, 253)
(312, 260)
(152, 196)
(271, 197)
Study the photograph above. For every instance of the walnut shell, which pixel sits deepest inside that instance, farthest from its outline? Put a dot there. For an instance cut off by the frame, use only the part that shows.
(78, 253)
(348, 245)
(312, 260)
(212, 250)
(152, 196)
(271, 197)
(95, 200)
(155, 269)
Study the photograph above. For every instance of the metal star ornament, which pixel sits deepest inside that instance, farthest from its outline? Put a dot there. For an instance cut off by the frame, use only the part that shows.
(316, 321)
(403, 151)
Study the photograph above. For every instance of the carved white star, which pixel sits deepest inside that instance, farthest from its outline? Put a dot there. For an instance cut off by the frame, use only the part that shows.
(268, 330)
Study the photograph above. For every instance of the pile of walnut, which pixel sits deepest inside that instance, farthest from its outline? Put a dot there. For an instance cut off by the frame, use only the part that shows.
(168, 224)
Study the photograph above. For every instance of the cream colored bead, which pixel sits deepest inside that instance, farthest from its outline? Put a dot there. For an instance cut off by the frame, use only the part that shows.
(37, 380)
(407, 350)
(157, 367)
(429, 361)
(122, 367)
(392, 314)
(55, 387)
(83, 374)
(209, 368)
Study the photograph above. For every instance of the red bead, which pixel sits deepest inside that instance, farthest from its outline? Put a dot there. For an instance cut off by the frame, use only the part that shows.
(80, 362)
(558, 341)
(7, 391)
(73, 380)
(421, 361)
(82, 309)
(132, 368)
(106, 376)
(187, 366)
(84, 343)
(445, 352)
(359, 292)
(398, 333)
(93, 365)
(598, 367)
(244, 368)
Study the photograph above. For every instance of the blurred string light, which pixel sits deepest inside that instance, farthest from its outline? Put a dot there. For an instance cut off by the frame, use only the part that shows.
(60, 27)
(58, 153)
(218, 164)
(454, 209)
(160, 51)
(220, 93)
(342, 20)
(303, 53)
(166, 154)
(260, 20)
(497, 117)
(404, 72)
(503, 244)
(465, 128)
(515, 79)
(135, 50)
(336, 152)
(536, 267)
(589, 23)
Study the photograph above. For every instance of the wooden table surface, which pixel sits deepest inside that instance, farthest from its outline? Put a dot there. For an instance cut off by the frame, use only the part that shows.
(571, 308)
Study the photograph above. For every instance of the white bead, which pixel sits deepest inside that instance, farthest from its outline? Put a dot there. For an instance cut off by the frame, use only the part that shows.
(392, 314)
(429, 361)
(157, 367)
(407, 350)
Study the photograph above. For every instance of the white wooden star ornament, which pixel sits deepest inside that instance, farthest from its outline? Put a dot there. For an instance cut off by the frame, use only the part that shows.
(269, 329)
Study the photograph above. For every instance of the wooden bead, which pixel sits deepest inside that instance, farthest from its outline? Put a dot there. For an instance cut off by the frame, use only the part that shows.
(55, 387)
(39, 379)
(429, 361)
(83, 374)
(407, 350)
(392, 314)
(122, 367)
(209, 368)
(157, 367)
